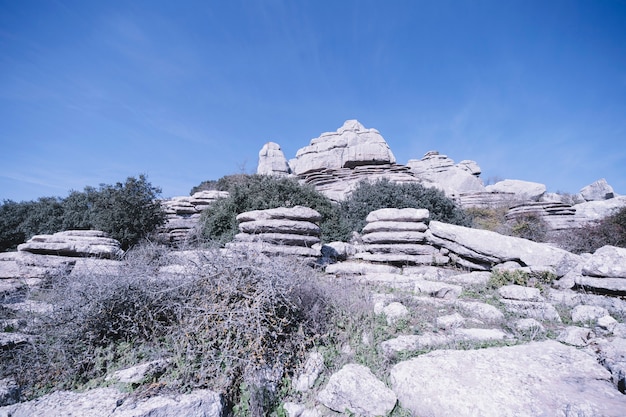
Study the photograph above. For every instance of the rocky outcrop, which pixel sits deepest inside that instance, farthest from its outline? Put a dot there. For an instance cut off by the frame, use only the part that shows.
(355, 389)
(115, 403)
(604, 272)
(523, 190)
(74, 243)
(482, 249)
(557, 216)
(440, 171)
(350, 146)
(536, 379)
(597, 191)
(396, 237)
(183, 213)
(280, 231)
(272, 161)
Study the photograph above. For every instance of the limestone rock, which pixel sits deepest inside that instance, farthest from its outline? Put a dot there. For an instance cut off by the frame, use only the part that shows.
(608, 261)
(350, 146)
(360, 268)
(585, 313)
(313, 367)
(523, 190)
(183, 213)
(608, 286)
(354, 388)
(137, 373)
(575, 336)
(599, 190)
(519, 292)
(597, 210)
(535, 379)
(529, 326)
(279, 231)
(450, 321)
(531, 309)
(272, 161)
(440, 171)
(407, 343)
(490, 248)
(394, 312)
(298, 213)
(75, 243)
(398, 215)
(481, 311)
(112, 402)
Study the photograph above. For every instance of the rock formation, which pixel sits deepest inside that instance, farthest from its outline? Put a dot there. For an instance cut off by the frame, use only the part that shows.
(396, 237)
(599, 190)
(74, 243)
(522, 190)
(350, 146)
(280, 231)
(183, 214)
(272, 161)
(439, 171)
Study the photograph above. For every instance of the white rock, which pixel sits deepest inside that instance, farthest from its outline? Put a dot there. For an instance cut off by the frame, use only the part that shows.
(360, 268)
(525, 190)
(599, 190)
(280, 226)
(518, 292)
(398, 215)
(536, 379)
(607, 323)
(281, 213)
(272, 160)
(313, 367)
(355, 389)
(586, 313)
(608, 261)
(481, 311)
(529, 326)
(395, 311)
(450, 321)
(575, 336)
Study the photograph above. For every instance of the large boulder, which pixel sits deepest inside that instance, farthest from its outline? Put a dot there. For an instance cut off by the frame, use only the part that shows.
(523, 190)
(486, 248)
(350, 146)
(441, 172)
(608, 261)
(115, 403)
(272, 161)
(597, 191)
(536, 379)
(355, 389)
(75, 243)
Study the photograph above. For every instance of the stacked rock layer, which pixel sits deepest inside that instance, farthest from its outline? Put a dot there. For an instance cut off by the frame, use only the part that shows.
(184, 212)
(279, 231)
(397, 236)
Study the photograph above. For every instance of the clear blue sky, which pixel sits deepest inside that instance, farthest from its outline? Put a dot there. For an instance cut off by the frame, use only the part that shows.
(184, 91)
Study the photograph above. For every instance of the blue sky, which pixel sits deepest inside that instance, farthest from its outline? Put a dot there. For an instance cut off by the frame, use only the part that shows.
(184, 91)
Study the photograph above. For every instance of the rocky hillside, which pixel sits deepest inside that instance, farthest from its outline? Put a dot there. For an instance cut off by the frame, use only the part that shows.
(496, 325)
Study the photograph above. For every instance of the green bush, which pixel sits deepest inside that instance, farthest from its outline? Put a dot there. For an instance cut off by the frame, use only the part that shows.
(12, 215)
(609, 231)
(368, 197)
(260, 192)
(529, 226)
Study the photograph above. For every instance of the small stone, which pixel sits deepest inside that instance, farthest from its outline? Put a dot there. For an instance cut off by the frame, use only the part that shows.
(586, 313)
(395, 312)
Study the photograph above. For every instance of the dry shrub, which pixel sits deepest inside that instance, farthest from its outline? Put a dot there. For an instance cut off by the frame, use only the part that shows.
(220, 320)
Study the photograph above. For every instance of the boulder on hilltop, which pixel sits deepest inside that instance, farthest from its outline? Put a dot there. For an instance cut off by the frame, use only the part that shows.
(272, 160)
(441, 172)
(350, 146)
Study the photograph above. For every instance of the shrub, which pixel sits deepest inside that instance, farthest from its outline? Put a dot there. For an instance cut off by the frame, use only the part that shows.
(368, 197)
(260, 192)
(529, 226)
(609, 231)
(128, 211)
(221, 324)
(492, 218)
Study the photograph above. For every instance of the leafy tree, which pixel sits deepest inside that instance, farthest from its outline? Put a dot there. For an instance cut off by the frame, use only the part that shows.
(368, 197)
(260, 192)
(128, 211)
(12, 215)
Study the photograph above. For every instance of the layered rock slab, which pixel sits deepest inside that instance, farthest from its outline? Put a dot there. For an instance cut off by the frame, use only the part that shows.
(74, 243)
(536, 379)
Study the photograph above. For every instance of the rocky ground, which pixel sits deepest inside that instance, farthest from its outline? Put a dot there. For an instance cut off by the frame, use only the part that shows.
(470, 323)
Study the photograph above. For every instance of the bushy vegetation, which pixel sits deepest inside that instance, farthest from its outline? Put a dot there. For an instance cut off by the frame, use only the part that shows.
(368, 197)
(224, 323)
(527, 226)
(609, 231)
(127, 211)
(260, 192)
